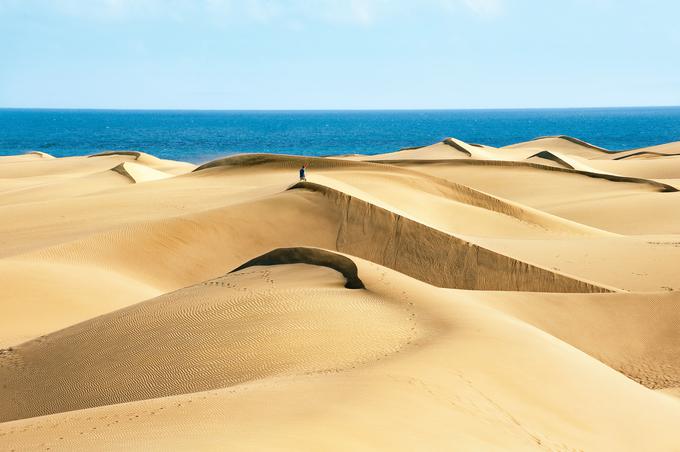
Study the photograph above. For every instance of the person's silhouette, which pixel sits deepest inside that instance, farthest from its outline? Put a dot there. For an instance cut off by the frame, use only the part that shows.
(302, 173)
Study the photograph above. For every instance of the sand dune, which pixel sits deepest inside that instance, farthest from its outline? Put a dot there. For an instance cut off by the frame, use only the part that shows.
(31, 155)
(597, 159)
(396, 189)
(447, 296)
(139, 173)
(392, 349)
(224, 332)
(311, 256)
(594, 323)
(447, 149)
(550, 159)
(142, 158)
(40, 154)
(643, 154)
(668, 149)
(384, 238)
(563, 143)
(647, 206)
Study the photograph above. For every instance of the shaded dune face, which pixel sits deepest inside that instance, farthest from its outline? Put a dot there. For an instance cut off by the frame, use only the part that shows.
(282, 256)
(372, 233)
(220, 333)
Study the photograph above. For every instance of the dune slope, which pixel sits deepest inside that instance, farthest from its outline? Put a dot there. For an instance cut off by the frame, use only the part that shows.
(396, 345)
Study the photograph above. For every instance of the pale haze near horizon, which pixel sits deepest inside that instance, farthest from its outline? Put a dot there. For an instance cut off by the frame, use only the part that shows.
(359, 54)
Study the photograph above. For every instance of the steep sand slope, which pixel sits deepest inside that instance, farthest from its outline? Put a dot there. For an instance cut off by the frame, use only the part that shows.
(662, 167)
(562, 256)
(563, 144)
(139, 173)
(147, 160)
(476, 377)
(654, 162)
(387, 219)
(379, 235)
(650, 151)
(448, 149)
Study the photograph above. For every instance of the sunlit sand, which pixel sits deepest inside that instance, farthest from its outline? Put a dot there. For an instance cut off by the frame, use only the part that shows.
(451, 297)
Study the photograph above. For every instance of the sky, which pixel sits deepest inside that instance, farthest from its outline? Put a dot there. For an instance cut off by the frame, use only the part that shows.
(333, 54)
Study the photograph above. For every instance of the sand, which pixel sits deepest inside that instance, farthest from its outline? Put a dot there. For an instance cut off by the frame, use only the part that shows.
(449, 297)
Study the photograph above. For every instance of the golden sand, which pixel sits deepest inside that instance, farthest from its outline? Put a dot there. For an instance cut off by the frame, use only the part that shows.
(518, 298)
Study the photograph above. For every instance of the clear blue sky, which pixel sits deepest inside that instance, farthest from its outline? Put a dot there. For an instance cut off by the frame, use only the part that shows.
(333, 54)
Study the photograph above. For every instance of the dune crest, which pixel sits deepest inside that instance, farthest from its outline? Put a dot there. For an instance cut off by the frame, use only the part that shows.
(469, 266)
(547, 155)
(40, 154)
(310, 256)
(136, 154)
(575, 141)
(644, 154)
(458, 145)
(139, 173)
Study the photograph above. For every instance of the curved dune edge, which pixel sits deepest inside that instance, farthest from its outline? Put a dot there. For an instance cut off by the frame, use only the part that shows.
(379, 235)
(407, 148)
(457, 145)
(662, 187)
(311, 256)
(622, 154)
(580, 143)
(244, 326)
(41, 154)
(283, 160)
(645, 153)
(571, 140)
(475, 150)
(454, 191)
(570, 162)
(552, 157)
(139, 173)
(136, 154)
(290, 161)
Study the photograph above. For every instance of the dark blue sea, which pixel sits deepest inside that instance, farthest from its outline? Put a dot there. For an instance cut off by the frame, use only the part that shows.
(199, 136)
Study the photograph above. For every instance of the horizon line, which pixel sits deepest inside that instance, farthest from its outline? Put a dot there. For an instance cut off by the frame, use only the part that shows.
(330, 109)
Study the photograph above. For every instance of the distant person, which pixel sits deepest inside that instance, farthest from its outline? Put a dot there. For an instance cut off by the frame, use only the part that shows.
(302, 174)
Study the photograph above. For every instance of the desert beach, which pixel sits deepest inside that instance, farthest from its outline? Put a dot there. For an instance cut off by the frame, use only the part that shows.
(455, 296)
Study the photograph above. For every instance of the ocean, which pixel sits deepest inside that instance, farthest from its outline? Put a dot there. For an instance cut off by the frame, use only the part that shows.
(199, 136)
